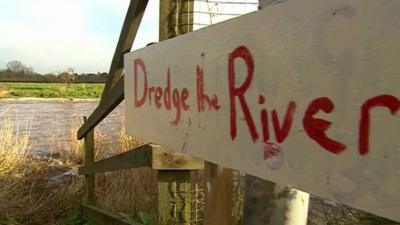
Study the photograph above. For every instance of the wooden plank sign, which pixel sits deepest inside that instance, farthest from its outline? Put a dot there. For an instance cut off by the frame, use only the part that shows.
(303, 92)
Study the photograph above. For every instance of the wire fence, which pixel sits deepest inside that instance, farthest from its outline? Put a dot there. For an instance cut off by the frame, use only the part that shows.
(208, 12)
(197, 200)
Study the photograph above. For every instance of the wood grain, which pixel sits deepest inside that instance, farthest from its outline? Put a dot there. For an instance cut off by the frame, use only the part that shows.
(89, 160)
(219, 195)
(103, 217)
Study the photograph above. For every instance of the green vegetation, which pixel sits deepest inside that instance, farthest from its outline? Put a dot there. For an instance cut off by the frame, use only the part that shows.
(50, 90)
(76, 219)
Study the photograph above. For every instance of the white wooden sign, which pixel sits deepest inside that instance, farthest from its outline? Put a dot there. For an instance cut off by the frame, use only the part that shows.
(303, 92)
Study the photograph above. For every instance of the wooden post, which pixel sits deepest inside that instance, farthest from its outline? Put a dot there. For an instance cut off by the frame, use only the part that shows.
(267, 203)
(113, 92)
(164, 24)
(130, 27)
(265, 3)
(176, 18)
(174, 189)
(174, 197)
(89, 159)
(219, 195)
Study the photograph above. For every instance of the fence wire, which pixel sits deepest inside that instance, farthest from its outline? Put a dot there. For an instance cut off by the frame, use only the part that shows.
(197, 199)
(208, 12)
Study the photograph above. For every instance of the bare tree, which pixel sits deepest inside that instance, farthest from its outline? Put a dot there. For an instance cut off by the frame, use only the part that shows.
(16, 66)
(29, 70)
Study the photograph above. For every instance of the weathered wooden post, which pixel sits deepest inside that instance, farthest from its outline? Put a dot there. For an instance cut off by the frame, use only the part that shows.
(173, 196)
(89, 159)
(174, 189)
(267, 203)
(219, 195)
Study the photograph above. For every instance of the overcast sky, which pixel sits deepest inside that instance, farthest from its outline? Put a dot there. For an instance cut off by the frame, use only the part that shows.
(52, 35)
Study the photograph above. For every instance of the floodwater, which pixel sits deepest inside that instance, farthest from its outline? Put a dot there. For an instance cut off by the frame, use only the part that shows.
(51, 122)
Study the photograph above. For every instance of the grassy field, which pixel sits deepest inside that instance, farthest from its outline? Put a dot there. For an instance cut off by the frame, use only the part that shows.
(50, 90)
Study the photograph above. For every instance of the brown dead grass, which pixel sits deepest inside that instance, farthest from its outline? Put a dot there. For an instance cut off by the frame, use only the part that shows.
(138, 192)
(139, 185)
(25, 196)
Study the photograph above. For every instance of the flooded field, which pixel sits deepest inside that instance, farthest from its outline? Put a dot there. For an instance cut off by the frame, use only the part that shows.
(51, 122)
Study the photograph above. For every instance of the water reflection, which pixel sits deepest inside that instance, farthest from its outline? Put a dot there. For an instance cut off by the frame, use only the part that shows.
(50, 121)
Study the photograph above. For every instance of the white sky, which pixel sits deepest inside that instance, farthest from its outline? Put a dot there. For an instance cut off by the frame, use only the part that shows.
(52, 35)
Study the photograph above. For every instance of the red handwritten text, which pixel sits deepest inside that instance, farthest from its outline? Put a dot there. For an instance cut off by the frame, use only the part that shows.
(314, 127)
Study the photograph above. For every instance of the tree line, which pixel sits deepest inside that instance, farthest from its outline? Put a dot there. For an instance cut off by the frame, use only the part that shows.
(16, 71)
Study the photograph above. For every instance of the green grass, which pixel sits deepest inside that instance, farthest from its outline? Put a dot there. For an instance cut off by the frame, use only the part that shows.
(76, 219)
(50, 90)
